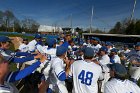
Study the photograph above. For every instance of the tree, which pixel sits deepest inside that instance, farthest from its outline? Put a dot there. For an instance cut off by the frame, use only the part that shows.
(127, 27)
(137, 27)
(97, 31)
(1, 18)
(9, 19)
(9, 22)
(17, 26)
(79, 30)
(117, 29)
(130, 29)
(29, 25)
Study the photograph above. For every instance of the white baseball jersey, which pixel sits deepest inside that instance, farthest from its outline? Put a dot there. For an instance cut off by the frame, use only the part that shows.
(119, 86)
(135, 69)
(58, 67)
(126, 51)
(23, 48)
(88, 45)
(109, 50)
(116, 59)
(103, 61)
(97, 47)
(39, 48)
(32, 45)
(51, 54)
(6, 88)
(135, 72)
(85, 76)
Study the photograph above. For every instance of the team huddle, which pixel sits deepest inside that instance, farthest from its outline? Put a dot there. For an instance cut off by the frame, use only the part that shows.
(69, 65)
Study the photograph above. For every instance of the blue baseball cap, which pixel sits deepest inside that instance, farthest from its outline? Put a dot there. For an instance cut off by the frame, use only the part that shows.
(61, 50)
(81, 43)
(51, 42)
(95, 38)
(38, 36)
(119, 69)
(65, 44)
(114, 50)
(109, 44)
(88, 52)
(82, 49)
(104, 48)
(92, 38)
(138, 44)
(102, 42)
(4, 39)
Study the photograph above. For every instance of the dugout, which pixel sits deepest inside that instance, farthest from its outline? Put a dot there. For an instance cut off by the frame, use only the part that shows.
(114, 37)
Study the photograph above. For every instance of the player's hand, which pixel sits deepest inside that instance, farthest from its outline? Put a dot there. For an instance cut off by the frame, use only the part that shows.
(38, 56)
(43, 58)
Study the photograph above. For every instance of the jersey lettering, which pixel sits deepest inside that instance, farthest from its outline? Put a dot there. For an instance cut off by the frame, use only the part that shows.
(85, 77)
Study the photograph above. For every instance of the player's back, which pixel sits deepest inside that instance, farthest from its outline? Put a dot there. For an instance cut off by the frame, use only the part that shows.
(85, 76)
(119, 86)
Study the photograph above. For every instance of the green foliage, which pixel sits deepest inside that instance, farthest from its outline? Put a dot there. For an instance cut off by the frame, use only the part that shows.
(126, 27)
(9, 22)
(79, 30)
(137, 27)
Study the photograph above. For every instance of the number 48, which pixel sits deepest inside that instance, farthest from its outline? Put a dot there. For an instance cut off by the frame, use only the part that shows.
(85, 77)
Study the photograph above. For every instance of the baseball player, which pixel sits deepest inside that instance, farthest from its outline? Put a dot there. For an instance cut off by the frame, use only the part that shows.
(58, 69)
(6, 77)
(109, 45)
(126, 50)
(96, 46)
(135, 61)
(50, 51)
(114, 58)
(119, 82)
(33, 44)
(24, 46)
(104, 60)
(124, 54)
(86, 73)
(12, 56)
(88, 42)
(61, 41)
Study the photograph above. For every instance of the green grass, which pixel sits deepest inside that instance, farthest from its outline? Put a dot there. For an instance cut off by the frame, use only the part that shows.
(19, 35)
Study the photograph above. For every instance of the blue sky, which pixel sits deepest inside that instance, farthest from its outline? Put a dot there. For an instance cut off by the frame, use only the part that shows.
(51, 12)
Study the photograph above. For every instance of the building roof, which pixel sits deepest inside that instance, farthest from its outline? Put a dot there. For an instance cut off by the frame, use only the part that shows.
(45, 28)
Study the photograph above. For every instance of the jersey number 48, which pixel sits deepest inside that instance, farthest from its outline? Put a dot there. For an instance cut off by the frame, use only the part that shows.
(85, 77)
